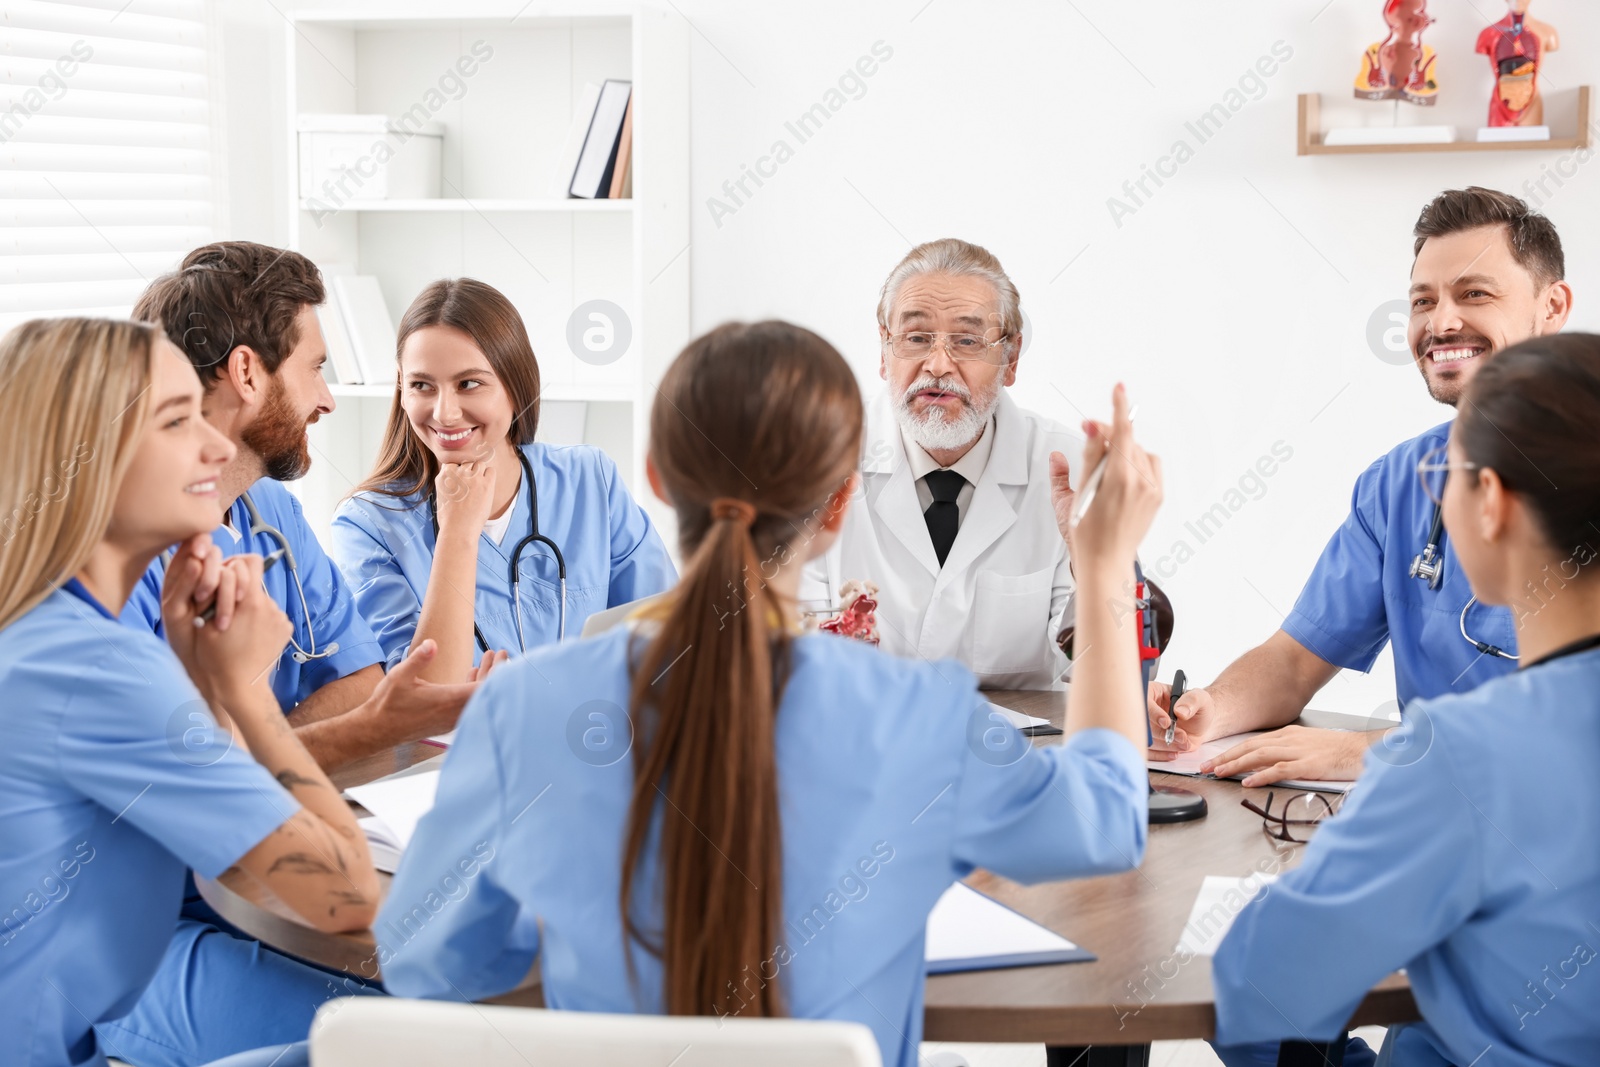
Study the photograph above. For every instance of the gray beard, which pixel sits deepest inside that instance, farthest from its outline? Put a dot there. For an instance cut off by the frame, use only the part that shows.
(935, 433)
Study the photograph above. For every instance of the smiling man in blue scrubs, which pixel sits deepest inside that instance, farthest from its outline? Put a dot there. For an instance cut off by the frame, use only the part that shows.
(245, 316)
(1488, 273)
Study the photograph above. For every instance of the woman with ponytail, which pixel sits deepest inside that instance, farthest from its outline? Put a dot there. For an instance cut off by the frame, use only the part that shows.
(121, 770)
(707, 812)
(1467, 852)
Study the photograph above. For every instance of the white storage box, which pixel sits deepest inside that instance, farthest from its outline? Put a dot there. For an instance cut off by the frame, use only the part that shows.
(369, 157)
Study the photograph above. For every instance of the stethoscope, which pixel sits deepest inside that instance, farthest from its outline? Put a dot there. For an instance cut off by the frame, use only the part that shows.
(1429, 567)
(258, 525)
(515, 572)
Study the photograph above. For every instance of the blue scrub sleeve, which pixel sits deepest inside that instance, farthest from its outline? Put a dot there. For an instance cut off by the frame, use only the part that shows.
(640, 566)
(449, 930)
(382, 595)
(143, 609)
(1037, 814)
(1389, 877)
(147, 750)
(332, 608)
(1340, 614)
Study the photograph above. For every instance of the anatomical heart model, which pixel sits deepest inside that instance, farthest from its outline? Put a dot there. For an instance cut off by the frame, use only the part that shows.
(1400, 67)
(1516, 47)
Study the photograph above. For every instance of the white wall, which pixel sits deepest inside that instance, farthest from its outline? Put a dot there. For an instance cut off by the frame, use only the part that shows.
(1234, 301)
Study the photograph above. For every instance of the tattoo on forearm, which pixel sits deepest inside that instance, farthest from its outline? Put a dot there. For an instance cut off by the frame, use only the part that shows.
(345, 898)
(300, 863)
(290, 778)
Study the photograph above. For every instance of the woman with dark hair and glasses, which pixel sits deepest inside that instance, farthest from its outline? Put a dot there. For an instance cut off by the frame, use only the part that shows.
(1467, 855)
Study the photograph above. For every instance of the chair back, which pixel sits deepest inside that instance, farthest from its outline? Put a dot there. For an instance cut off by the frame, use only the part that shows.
(391, 1032)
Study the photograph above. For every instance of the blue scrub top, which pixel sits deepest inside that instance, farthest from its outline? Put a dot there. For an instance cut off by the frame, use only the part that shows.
(614, 555)
(333, 610)
(113, 784)
(893, 783)
(1361, 593)
(1465, 855)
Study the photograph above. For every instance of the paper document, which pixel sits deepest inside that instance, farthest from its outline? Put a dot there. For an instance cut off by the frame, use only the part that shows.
(382, 844)
(1219, 902)
(1189, 763)
(1028, 724)
(399, 802)
(968, 931)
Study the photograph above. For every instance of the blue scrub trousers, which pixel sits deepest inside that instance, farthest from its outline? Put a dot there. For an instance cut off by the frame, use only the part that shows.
(222, 995)
(1357, 1053)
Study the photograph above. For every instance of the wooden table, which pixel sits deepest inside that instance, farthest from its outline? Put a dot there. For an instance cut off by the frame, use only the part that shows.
(1139, 990)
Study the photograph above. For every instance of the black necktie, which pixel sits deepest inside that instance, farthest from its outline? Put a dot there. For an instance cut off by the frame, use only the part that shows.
(943, 516)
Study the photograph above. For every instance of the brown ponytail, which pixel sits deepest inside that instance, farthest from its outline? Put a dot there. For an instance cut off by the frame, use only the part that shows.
(754, 428)
(1532, 414)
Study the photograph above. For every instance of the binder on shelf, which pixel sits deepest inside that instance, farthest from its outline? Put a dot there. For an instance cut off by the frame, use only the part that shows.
(366, 317)
(622, 170)
(341, 354)
(582, 116)
(597, 161)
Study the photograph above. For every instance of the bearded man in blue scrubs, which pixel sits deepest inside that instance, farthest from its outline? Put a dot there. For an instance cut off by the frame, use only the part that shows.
(1488, 273)
(245, 315)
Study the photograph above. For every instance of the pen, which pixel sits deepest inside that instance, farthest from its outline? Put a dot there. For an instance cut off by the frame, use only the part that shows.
(1091, 483)
(1178, 681)
(209, 612)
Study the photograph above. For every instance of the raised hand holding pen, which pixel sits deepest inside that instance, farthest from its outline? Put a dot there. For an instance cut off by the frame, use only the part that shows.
(1107, 690)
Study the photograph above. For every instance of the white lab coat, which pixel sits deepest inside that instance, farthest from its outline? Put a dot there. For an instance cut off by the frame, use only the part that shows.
(1005, 588)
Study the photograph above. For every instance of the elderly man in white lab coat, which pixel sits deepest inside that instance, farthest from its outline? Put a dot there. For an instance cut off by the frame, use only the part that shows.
(962, 507)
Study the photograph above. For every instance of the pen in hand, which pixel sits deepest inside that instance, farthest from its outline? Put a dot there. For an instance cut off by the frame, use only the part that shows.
(1178, 681)
(209, 612)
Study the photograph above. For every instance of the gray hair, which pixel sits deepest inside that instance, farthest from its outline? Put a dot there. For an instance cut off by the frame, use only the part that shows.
(958, 258)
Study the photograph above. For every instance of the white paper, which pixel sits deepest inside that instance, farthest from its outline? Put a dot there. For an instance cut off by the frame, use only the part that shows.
(1188, 763)
(1218, 903)
(965, 924)
(400, 801)
(381, 843)
(1017, 719)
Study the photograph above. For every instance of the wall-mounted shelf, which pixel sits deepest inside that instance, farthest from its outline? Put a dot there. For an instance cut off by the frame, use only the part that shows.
(1309, 139)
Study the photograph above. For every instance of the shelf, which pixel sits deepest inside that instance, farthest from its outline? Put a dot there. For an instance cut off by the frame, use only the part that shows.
(1309, 136)
(558, 392)
(510, 14)
(451, 204)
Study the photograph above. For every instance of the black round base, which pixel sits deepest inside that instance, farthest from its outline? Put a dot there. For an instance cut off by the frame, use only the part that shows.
(1175, 805)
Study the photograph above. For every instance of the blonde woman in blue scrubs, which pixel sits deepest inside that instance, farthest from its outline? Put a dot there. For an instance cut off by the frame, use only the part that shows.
(1467, 853)
(121, 771)
(709, 813)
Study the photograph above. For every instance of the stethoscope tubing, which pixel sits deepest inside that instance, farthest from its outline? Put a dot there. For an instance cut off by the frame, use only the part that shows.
(260, 526)
(1429, 567)
(514, 570)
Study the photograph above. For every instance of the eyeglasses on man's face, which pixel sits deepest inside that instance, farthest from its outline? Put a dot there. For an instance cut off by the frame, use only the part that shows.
(919, 344)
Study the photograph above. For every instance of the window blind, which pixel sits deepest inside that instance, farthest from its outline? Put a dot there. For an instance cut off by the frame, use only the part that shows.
(105, 151)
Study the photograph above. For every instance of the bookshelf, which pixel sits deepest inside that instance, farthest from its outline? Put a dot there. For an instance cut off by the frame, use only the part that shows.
(504, 128)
